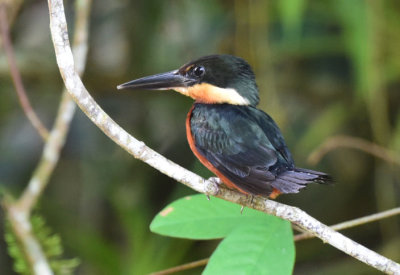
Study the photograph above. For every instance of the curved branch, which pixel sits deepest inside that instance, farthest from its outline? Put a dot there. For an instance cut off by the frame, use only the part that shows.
(66, 111)
(75, 87)
(16, 76)
(139, 150)
(335, 142)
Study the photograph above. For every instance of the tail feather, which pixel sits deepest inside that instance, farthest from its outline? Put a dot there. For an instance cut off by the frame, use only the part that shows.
(319, 177)
(293, 180)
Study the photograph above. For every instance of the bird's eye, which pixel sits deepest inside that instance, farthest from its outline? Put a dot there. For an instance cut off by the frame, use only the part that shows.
(199, 71)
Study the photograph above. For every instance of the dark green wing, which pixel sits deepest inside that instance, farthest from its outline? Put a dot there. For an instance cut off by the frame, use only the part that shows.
(233, 141)
(273, 133)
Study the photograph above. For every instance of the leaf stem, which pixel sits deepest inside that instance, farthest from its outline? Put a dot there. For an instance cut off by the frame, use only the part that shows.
(182, 267)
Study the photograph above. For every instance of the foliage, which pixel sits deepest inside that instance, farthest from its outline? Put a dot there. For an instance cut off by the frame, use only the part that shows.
(254, 243)
(51, 244)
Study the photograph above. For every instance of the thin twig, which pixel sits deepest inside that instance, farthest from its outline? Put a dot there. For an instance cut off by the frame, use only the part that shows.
(138, 149)
(299, 237)
(19, 211)
(50, 155)
(16, 76)
(182, 267)
(335, 142)
(355, 222)
(66, 110)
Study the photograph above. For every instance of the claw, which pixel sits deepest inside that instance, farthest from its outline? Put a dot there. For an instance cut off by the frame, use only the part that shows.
(213, 188)
(215, 180)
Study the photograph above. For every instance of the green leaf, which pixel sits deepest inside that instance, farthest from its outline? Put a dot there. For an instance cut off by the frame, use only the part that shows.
(255, 243)
(195, 217)
(258, 248)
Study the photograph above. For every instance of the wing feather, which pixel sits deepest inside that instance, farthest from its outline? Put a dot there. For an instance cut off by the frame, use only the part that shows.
(233, 141)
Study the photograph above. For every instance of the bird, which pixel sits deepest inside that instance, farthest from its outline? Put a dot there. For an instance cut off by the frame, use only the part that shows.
(239, 143)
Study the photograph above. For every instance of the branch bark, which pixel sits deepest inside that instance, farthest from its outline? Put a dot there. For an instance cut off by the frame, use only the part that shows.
(352, 223)
(139, 150)
(18, 212)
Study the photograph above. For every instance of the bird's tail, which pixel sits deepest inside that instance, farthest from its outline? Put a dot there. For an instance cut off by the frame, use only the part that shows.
(293, 180)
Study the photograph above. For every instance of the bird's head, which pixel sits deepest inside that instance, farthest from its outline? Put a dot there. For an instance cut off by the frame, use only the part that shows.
(213, 79)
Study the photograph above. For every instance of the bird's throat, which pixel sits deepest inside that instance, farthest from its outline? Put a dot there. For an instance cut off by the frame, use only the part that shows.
(210, 94)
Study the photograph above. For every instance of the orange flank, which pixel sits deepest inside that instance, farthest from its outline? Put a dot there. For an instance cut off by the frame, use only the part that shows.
(274, 194)
(203, 160)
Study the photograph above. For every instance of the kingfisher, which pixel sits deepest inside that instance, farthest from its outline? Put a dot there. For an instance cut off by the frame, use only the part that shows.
(239, 143)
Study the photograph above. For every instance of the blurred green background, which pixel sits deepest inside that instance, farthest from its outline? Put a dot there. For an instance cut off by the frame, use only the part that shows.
(323, 68)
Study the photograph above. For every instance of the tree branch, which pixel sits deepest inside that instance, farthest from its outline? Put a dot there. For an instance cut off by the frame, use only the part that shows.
(16, 76)
(182, 267)
(19, 211)
(139, 150)
(335, 142)
(355, 222)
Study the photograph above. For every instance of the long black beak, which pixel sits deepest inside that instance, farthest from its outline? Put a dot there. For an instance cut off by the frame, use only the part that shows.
(163, 81)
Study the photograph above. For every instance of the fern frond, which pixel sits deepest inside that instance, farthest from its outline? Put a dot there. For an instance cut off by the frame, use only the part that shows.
(51, 245)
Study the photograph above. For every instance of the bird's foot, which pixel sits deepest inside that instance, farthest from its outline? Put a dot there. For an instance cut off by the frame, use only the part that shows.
(215, 180)
(213, 188)
(250, 202)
